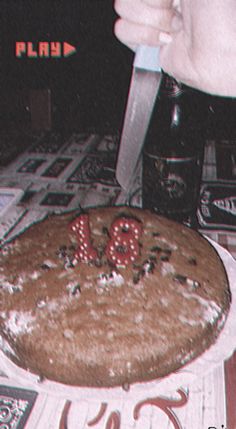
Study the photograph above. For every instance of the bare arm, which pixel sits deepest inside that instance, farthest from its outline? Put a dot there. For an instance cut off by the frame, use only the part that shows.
(197, 38)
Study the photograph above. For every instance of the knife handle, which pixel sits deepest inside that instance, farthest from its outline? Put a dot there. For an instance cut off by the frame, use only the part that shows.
(147, 58)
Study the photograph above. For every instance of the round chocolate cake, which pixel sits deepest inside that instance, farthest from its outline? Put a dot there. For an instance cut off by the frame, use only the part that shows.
(110, 297)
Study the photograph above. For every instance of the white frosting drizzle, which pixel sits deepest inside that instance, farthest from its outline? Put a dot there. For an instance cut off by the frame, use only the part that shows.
(35, 275)
(211, 309)
(6, 347)
(49, 264)
(18, 322)
(167, 268)
(6, 286)
(115, 279)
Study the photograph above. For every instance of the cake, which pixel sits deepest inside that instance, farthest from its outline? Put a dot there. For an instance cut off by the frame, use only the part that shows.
(109, 297)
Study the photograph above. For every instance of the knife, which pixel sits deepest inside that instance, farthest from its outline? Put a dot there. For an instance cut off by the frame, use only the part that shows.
(144, 86)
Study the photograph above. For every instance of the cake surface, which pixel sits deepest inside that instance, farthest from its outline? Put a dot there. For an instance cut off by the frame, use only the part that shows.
(112, 297)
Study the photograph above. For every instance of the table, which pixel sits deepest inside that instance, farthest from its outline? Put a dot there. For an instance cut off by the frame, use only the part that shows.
(58, 173)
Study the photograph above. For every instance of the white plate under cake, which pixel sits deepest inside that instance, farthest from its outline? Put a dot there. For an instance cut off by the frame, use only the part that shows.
(110, 297)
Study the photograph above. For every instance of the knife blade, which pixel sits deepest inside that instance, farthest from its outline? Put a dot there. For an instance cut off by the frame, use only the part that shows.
(144, 86)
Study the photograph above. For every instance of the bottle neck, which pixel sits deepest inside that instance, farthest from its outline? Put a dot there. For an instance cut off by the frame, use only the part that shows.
(175, 120)
(170, 88)
(177, 123)
(184, 106)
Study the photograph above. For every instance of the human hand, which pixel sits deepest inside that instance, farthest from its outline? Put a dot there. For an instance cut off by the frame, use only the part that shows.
(146, 22)
(197, 38)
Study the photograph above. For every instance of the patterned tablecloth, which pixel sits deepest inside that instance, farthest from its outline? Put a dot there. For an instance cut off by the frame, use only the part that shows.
(58, 173)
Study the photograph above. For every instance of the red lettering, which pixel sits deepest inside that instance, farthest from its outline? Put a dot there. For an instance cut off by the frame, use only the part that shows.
(20, 49)
(55, 49)
(30, 51)
(44, 49)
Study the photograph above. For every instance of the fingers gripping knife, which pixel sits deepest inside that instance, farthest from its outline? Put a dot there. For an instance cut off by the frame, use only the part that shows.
(144, 86)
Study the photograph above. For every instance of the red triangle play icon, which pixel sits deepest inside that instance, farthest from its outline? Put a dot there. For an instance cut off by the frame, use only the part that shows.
(68, 49)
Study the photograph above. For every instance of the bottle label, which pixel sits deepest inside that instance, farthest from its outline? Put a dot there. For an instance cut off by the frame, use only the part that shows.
(217, 206)
(171, 185)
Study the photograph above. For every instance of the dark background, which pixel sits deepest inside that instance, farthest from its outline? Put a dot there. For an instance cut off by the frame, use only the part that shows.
(88, 89)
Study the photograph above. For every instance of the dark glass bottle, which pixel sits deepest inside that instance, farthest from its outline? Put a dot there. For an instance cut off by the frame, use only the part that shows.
(173, 152)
